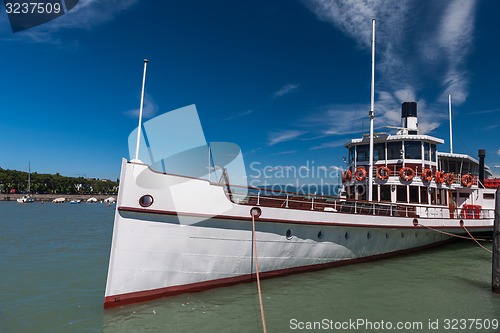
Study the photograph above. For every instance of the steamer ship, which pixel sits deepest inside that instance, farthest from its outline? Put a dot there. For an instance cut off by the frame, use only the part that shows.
(179, 227)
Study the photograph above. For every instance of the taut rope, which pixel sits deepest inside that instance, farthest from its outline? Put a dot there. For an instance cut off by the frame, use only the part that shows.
(459, 236)
(257, 274)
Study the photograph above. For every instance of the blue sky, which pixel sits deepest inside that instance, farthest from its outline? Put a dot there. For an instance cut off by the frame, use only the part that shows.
(288, 81)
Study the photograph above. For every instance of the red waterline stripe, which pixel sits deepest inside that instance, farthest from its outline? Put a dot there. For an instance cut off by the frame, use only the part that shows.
(341, 224)
(147, 295)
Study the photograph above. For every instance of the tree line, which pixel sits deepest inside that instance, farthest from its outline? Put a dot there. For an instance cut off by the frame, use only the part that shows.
(12, 181)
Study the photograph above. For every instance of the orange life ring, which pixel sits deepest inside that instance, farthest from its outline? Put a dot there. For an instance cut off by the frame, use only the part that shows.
(467, 180)
(406, 174)
(383, 172)
(427, 175)
(449, 178)
(346, 176)
(360, 174)
(439, 177)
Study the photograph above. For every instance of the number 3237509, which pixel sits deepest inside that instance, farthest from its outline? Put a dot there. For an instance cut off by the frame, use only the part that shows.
(470, 324)
(32, 8)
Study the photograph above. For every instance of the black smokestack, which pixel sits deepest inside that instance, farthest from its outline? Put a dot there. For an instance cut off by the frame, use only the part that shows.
(482, 154)
(409, 109)
(409, 117)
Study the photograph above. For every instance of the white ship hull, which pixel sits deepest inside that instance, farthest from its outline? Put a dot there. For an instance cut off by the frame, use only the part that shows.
(193, 237)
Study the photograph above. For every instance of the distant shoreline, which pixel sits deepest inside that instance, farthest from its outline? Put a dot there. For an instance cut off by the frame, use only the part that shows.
(50, 197)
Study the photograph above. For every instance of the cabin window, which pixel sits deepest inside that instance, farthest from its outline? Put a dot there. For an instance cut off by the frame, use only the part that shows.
(452, 166)
(433, 153)
(361, 192)
(413, 150)
(432, 193)
(441, 197)
(385, 193)
(394, 150)
(350, 192)
(362, 153)
(489, 196)
(427, 150)
(352, 153)
(379, 152)
(401, 193)
(423, 195)
(414, 194)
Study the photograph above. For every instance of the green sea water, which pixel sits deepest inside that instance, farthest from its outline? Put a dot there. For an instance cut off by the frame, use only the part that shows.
(53, 266)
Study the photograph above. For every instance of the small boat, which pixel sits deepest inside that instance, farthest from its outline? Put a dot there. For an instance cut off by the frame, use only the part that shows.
(109, 200)
(59, 200)
(74, 202)
(92, 200)
(27, 198)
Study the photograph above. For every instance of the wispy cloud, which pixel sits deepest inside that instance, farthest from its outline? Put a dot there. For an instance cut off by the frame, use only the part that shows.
(150, 108)
(430, 55)
(85, 15)
(483, 111)
(238, 115)
(347, 119)
(287, 152)
(454, 40)
(331, 144)
(282, 136)
(286, 89)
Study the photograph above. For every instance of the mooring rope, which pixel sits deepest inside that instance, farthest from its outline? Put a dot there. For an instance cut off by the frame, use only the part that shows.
(257, 274)
(472, 237)
(459, 236)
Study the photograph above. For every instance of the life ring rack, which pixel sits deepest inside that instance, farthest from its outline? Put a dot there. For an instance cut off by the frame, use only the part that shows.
(467, 180)
(383, 172)
(406, 174)
(346, 176)
(449, 178)
(440, 177)
(427, 174)
(360, 174)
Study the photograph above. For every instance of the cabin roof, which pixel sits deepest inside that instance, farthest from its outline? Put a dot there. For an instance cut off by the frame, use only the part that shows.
(384, 137)
(454, 156)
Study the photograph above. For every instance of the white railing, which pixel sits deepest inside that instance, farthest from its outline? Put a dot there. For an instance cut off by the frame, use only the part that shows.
(335, 204)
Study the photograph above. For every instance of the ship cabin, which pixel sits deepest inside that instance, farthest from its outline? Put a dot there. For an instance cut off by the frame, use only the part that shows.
(409, 170)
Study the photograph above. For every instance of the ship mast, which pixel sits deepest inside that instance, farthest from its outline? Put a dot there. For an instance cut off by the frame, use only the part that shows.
(136, 159)
(451, 130)
(372, 116)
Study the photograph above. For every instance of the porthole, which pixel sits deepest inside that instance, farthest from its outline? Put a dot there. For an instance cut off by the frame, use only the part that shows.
(387, 235)
(346, 236)
(146, 200)
(289, 234)
(320, 234)
(402, 235)
(368, 235)
(416, 235)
